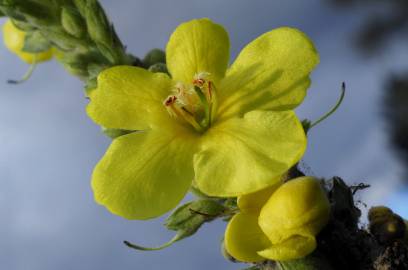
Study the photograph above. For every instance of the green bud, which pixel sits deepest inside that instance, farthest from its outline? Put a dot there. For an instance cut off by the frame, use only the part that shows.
(72, 22)
(98, 25)
(81, 6)
(155, 56)
(385, 225)
(158, 68)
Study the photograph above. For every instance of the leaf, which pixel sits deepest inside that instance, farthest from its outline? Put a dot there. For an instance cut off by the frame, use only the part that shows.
(35, 43)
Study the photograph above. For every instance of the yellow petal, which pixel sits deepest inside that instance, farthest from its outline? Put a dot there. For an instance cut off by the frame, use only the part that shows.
(14, 40)
(298, 207)
(253, 202)
(244, 155)
(129, 98)
(243, 238)
(292, 248)
(144, 174)
(197, 46)
(271, 73)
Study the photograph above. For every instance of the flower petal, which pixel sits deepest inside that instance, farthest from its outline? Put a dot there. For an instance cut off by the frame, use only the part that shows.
(129, 98)
(144, 174)
(270, 73)
(243, 238)
(253, 202)
(292, 248)
(198, 46)
(244, 155)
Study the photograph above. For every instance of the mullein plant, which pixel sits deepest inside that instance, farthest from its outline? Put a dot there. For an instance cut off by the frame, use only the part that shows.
(185, 120)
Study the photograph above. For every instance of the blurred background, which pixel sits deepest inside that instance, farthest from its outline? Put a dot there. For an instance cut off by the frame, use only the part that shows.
(49, 147)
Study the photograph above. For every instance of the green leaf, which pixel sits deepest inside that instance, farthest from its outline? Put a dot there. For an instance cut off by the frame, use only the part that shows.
(35, 43)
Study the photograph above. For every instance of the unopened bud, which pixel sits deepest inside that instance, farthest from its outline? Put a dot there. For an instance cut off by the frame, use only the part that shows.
(385, 225)
(98, 24)
(72, 22)
(155, 56)
(81, 6)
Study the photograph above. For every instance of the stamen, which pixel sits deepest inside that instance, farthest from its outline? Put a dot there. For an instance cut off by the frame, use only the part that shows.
(189, 117)
(193, 103)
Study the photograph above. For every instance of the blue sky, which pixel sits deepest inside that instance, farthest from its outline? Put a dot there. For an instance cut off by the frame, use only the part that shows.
(49, 146)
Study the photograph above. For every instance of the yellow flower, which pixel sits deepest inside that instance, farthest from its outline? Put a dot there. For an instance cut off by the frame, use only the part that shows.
(232, 131)
(279, 223)
(14, 39)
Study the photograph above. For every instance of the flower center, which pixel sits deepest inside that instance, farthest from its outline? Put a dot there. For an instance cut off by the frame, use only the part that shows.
(193, 103)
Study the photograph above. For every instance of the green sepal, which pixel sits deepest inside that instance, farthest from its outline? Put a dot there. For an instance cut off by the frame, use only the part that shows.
(26, 27)
(107, 52)
(62, 40)
(186, 220)
(95, 68)
(2, 14)
(35, 43)
(115, 133)
(190, 216)
(90, 85)
(306, 124)
(158, 68)
(72, 22)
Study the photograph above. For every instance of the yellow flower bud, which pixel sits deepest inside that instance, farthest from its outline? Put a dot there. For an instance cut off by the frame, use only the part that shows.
(292, 217)
(14, 39)
(284, 227)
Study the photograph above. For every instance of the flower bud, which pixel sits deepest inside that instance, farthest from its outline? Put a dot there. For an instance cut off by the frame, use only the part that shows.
(385, 225)
(278, 223)
(15, 40)
(292, 217)
(72, 22)
(155, 56)
(98, 25)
